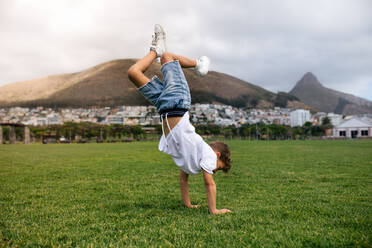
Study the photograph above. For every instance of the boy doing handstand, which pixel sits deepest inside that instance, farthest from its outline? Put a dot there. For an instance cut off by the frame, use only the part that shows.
(172, 100)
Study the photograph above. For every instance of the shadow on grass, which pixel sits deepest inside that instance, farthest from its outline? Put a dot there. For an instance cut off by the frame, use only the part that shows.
(137, 204)
(156, 207)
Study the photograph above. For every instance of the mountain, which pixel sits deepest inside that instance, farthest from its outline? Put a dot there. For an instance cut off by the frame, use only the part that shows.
(107, 84)
(311, 92)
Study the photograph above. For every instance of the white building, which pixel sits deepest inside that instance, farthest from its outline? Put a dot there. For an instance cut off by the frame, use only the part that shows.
(335, 119)
(41, 121)
(354, 128)
(299, 117)
(54, 120)
(113, 119)
(223, 122)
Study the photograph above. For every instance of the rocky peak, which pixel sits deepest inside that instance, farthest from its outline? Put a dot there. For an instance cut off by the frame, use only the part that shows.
(311, 92)
(308, 79)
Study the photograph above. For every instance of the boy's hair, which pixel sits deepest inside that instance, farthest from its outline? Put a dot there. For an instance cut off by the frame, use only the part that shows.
(225, 154)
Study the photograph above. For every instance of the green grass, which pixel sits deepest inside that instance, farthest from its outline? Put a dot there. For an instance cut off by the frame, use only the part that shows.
(283, 194)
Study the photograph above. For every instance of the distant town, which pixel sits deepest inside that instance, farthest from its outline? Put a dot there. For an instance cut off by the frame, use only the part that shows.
(221, 115)
(200, 114)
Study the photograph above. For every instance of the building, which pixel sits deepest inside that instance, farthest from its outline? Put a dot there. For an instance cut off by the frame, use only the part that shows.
(113, 119)
(334, 118)
(54, 120)
(299, 117)
(354, 128)
(317, 118)
(41, 121)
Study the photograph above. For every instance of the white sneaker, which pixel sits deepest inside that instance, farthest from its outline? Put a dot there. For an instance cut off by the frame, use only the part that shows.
(158, 43)
(202, 65)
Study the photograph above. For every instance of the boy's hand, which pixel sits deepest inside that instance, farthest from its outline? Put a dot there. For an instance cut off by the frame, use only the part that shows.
(210, 188)
(221, 211)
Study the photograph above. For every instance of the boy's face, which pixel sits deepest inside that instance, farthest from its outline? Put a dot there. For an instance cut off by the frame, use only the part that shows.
(220, 164)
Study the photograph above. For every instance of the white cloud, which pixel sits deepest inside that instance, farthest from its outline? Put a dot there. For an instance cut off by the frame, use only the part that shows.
(269, 43)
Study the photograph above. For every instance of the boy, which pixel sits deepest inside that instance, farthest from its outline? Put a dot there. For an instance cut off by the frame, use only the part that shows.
(172, 100)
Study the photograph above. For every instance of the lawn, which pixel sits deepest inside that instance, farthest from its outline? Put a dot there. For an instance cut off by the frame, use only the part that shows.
(282, 193)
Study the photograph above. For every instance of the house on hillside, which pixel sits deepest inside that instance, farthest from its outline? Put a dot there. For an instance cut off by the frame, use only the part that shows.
(299, 117)
(113, 119)
(354, 128)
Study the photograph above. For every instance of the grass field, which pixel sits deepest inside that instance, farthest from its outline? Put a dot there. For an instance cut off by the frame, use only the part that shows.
(282, 193)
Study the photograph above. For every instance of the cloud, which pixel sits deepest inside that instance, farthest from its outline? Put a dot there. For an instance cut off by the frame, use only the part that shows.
(268, 43)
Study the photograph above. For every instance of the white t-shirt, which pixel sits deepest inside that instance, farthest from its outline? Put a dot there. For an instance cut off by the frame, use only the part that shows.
(188, 149)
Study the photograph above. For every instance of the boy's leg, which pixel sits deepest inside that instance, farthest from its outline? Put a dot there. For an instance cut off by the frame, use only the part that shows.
(157, 48)
(175, 98)
(184, 61)
(201, 64)
(135, 72)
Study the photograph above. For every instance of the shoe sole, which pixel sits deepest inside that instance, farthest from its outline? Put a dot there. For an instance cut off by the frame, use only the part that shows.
(161, 29)
(164, 36)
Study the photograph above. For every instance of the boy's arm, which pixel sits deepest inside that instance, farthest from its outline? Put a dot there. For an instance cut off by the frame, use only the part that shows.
(210, 188)
(184, 185)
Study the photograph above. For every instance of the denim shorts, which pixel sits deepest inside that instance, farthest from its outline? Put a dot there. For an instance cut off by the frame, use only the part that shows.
(173, 93)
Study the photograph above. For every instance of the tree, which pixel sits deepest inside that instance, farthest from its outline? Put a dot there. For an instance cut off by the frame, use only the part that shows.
(104, 133)
(244, 130)
(317, 130)
(326, 121)
(297, 133)
(227, 132)
(277, 131)
(307, 128)
(234, 130)
(308, 124)
(136, 131)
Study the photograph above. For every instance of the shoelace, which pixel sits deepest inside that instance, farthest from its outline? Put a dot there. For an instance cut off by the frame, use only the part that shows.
(157, 36)
(170, 131)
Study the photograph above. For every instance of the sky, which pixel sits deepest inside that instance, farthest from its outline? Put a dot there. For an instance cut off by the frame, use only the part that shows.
(270, 43)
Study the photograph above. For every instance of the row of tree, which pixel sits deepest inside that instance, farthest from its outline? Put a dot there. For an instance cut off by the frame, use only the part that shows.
(90, 131)
(267, 132)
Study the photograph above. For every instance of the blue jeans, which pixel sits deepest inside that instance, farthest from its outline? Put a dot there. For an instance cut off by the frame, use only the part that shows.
(173, 93)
